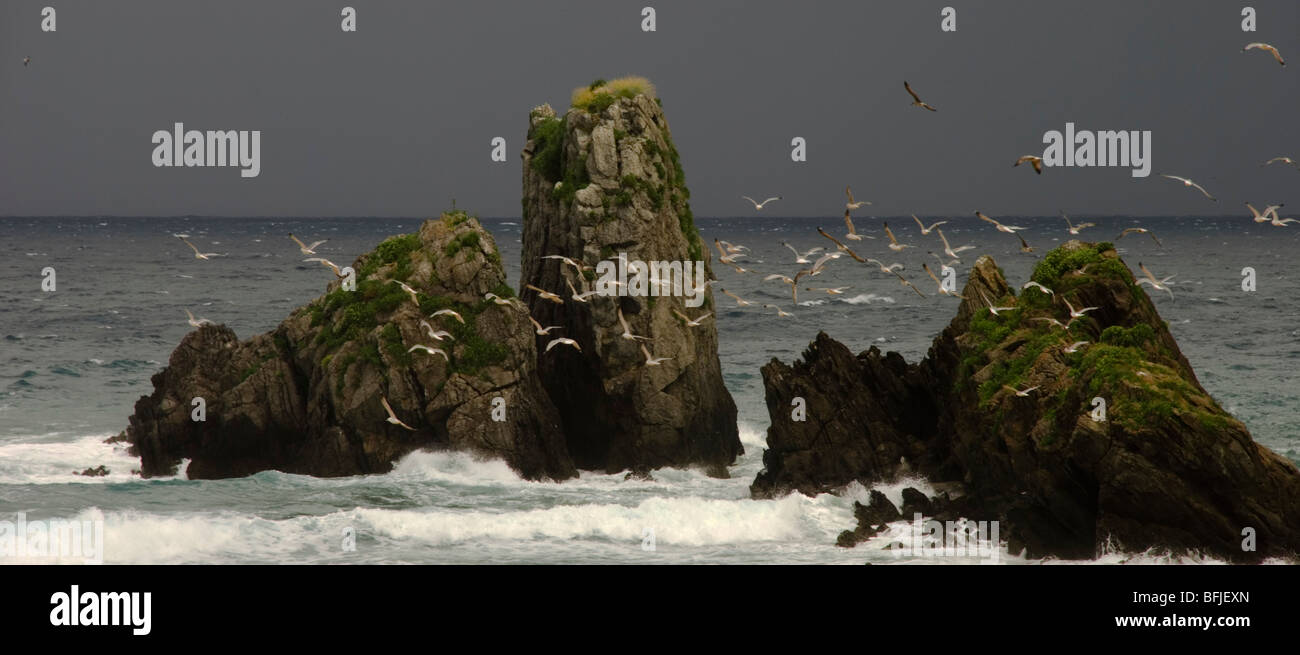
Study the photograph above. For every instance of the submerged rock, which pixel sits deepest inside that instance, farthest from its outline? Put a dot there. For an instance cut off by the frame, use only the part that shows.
(307, 397)
(600, 181)
(1164, 467)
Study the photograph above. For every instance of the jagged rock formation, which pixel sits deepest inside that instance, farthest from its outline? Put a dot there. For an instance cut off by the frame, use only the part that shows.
(605, 179)
(306, 397)
(1166, 469)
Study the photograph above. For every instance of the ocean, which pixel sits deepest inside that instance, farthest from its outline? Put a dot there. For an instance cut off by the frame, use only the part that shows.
(74, 361)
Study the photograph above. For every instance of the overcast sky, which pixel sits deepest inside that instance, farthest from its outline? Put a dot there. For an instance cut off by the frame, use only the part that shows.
(397, 118)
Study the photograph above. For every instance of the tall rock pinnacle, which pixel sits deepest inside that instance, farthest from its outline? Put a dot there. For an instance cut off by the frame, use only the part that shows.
(603, 186)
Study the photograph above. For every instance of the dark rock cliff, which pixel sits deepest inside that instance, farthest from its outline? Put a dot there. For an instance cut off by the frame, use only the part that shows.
(307, 397)
(600, 181)
(1165, 467)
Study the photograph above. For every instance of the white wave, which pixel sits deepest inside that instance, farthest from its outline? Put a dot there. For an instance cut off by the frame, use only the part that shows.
(37, 460)
(689, 521)
(867, 299)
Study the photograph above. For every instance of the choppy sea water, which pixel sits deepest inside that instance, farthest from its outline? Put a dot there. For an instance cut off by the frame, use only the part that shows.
(73, 363)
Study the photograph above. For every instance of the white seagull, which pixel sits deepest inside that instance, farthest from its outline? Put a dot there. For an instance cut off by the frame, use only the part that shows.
(627, 331)
(1187, 182)
(949, 250)
(426, 349)
(562, 341)
(926, 230)
(1074, 229)
(409, 291)
(197, 254)
(448, 312)
(545, 295)
(543, 331)
(1267, 48)
(853, 233)
(306, 249)
(853, 204)
(1262, 217)
(692, 322)
(436, 335)
(651, 360)
(1034, 285)
(1023, 393)
(802, 258)
(198, 322)
(1036, 162)
(1009, 229)
(739, 301)
(1159, 285)
(338, 273)
(759, 205)
(1077, 313)
(392, 418)
(916, 100)
(894, 245)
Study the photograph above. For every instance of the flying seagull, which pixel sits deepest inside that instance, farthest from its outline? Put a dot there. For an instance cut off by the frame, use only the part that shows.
(328, 264)
(543, 331)
(759, 205)
(651, 360)
(1036, 162)
(802, 258)
(197, 254)
(627, 331)
(1074, 347)
(562, 341)
(924, 229)
(392, 418)
(1139, 230)
(853, 233)
(995, 310)
(1023, 393)
(842, 248)
(1074, 229)
(545, 295)
(692, 322)
(409, 291)
(883, 268)
(197, 322)
(739, 301)
(1267, 48)
(1160, 285)
(1262, 217)
(853, 204)
(1284, 160)
(1009, 229)
(893, 243)
(436, 335)
(576, 266)
(1187, 182)
(916, 100)
(496, 299)
(426, 349)
(1024, 245)
(1034, 285)
(942, 290)
(949, 250)
(781, 313)
(448, 312)
(306, 249)
(1077, 313)
(579, 297)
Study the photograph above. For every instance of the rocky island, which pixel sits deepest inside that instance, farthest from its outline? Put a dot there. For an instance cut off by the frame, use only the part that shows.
(1117, 445)
(313, 395)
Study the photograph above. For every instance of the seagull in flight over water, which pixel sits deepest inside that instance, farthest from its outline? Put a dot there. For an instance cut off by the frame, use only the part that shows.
(1187, 182)
(759, 205)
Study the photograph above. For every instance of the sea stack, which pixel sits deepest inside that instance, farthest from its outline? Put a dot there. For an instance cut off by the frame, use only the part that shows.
(1118, 447)
(604, 182)
(308, 396)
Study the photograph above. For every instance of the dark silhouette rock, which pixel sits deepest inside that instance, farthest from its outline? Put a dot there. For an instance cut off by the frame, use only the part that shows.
(600, 182)
(1164, 468)
(307, 397)
(95, 472)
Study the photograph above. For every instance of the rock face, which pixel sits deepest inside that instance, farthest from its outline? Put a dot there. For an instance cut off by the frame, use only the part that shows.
(599, 182)
(307, 397)
(1167, 468)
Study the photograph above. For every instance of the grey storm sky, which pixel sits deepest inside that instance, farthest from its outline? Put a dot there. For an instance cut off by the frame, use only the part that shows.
(396, 119)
